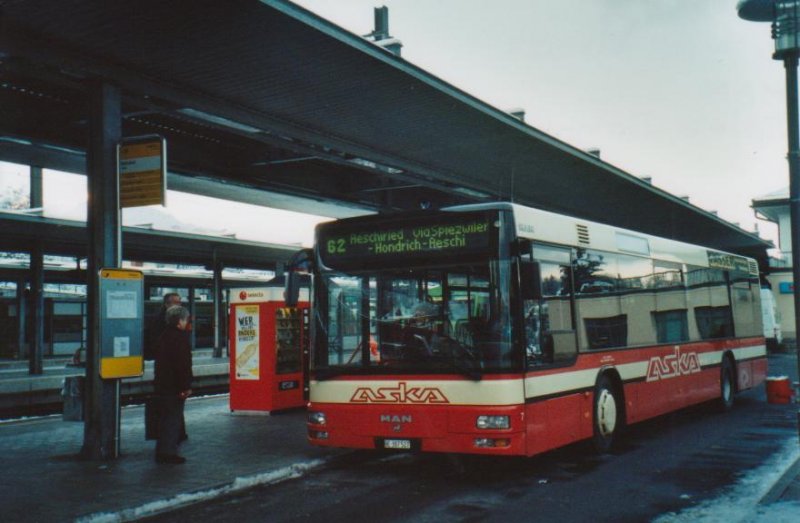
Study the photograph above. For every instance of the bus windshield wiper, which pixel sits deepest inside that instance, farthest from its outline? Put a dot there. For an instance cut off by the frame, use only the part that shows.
(468, 369)
(464, 361)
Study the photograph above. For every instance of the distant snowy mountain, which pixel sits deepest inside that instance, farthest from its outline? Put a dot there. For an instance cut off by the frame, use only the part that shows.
(159, 219)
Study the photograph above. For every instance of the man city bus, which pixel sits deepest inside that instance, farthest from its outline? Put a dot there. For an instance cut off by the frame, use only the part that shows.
(501, 329)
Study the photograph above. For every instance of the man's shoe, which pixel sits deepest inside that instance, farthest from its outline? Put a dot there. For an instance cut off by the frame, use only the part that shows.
(171, 459)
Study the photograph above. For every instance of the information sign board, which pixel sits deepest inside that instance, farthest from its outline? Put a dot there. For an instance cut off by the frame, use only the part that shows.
(121, 323)
(142, 171)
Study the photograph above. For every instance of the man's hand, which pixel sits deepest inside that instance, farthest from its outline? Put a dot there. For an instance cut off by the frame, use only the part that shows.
(185, 394)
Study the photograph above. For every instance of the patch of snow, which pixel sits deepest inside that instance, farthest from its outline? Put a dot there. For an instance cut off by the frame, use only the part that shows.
(400, 456)
(154, 507)
(783, 512)
(29, 418)
(740, 503)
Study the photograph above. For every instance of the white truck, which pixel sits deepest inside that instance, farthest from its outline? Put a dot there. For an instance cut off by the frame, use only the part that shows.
(771, 319)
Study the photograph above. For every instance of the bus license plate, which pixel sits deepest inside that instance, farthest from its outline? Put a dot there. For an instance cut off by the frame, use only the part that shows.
(400, 444)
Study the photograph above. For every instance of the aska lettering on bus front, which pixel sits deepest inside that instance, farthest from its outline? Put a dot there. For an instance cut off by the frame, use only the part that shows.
(402, 393)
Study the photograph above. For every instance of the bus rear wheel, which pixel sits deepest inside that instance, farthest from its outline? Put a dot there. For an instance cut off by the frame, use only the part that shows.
(607, 419)
(727, 388)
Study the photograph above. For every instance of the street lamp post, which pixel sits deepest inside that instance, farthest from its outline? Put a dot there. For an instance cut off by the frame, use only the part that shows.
(785, 18)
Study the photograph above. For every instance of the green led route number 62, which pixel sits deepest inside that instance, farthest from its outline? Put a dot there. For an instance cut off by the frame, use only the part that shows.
(336, 246)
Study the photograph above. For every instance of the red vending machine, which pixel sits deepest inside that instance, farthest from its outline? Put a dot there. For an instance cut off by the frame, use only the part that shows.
(268, 351)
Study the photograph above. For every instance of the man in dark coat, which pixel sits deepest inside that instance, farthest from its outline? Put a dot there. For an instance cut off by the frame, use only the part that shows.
(172, 382)
(154, 327)
(156, 324)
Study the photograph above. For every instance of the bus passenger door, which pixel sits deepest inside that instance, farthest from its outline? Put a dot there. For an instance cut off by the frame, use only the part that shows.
(553, 416)
(550, 337)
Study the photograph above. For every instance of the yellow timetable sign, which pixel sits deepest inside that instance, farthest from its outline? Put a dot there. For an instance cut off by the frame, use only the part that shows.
(142, 172)
(122, 274)
(121, 323)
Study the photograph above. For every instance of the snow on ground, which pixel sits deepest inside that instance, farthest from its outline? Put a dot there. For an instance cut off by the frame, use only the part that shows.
(784, 512)
(28, 418)
(740, 502)
(154, 507)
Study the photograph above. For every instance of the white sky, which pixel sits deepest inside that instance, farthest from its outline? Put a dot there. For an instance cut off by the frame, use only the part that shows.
(683, 91)
(65, 197)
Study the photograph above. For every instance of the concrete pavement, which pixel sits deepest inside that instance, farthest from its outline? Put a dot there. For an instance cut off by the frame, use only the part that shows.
(43, 479)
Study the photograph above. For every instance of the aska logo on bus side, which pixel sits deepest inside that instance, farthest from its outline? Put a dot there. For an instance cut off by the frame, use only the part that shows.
(673, 365)
(402, 393)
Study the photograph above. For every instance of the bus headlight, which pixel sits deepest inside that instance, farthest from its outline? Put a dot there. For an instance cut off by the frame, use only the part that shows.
(493, 422)
(316, 418)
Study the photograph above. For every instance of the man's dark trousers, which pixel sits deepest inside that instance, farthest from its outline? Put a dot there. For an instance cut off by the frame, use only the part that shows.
(169, 425)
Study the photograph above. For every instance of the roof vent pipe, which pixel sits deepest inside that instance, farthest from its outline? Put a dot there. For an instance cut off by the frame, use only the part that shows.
(380, 35)
(684, 198)
(381, 31)
(518, 113)
(594, 152)
(648, 180)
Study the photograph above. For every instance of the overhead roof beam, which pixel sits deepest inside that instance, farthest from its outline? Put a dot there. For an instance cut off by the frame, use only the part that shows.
(68, 238)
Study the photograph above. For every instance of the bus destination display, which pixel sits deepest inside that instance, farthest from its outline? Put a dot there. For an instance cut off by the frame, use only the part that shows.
(433, 237)
(731, 262)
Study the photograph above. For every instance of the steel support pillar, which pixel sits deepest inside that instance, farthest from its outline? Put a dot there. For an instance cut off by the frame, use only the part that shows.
(193, 316)
(219, 310)
(36, 348)
(37, 188)
(101, 405)
(793, 124)
(22, 311)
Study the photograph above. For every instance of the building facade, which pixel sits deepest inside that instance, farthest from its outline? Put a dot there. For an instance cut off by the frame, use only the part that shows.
(774, 207)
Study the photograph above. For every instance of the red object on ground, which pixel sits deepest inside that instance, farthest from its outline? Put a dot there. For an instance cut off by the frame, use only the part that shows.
(779, 390)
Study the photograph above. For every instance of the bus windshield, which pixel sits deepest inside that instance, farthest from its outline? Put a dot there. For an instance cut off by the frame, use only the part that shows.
(419, 320)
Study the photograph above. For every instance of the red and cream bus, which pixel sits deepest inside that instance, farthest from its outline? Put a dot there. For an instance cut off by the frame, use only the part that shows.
(501, 329)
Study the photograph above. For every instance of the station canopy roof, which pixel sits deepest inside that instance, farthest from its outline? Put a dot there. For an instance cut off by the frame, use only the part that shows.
(69, 238)
(265, 102)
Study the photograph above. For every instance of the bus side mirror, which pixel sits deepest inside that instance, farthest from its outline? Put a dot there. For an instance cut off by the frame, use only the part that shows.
(530, 288)
(300, 263)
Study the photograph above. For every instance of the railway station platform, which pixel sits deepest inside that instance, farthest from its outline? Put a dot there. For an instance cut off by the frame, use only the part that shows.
(44, 480)
(23, 394)
(224, 453)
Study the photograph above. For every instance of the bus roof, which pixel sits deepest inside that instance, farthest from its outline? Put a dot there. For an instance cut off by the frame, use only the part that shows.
(559, 229)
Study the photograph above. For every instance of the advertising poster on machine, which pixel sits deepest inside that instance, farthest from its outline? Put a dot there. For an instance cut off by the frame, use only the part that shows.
(247, 353)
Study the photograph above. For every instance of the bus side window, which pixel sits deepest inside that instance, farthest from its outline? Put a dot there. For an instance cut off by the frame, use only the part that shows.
(549, 328)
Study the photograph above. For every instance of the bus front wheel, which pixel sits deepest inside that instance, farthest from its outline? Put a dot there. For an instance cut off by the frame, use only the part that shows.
(607, 412)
